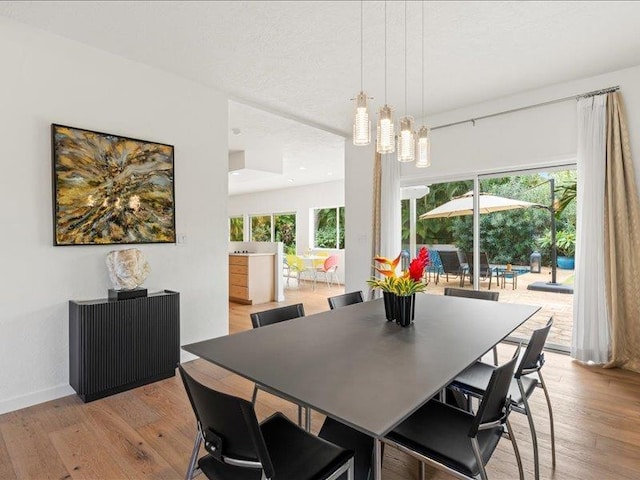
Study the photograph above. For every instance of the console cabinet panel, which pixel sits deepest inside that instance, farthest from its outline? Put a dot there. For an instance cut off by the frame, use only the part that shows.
(118, 345)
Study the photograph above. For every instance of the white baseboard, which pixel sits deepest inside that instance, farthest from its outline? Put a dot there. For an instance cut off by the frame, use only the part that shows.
(24, 401)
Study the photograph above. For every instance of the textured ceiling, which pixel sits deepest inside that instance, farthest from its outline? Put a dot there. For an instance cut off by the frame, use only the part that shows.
(302, 58)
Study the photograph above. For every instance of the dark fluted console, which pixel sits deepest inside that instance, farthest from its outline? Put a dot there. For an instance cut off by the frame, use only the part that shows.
(118, 345)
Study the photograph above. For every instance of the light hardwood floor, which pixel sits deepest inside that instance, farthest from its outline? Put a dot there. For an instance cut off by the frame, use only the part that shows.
(148, 432)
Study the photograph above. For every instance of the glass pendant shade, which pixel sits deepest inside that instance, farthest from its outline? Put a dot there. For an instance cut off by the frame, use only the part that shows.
(406, 140)
(424, 147)
(361, 122)
(386, 131)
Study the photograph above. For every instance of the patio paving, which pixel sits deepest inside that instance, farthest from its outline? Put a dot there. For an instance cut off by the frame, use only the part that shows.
(558, 305)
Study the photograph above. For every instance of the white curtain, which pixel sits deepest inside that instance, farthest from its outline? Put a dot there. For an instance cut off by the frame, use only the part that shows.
(590, 322)
(390, 214)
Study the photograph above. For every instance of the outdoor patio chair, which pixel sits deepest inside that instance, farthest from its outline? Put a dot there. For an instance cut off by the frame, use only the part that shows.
(434, 267)
(451, 265)
(486, 270)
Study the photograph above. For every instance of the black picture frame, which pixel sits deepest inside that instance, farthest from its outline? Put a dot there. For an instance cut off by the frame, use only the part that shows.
(111, 189)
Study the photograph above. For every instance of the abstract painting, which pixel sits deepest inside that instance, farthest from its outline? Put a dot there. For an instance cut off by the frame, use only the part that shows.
(110, 189)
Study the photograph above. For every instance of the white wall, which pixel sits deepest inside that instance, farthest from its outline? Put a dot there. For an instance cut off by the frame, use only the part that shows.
(532, 138)
(47, 79)
(300, 200)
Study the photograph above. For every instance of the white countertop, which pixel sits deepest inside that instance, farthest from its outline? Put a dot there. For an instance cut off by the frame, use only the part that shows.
(250, 254)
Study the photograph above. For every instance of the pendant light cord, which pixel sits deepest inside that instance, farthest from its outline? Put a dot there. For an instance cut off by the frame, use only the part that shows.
(361, 46)
(423, 120)
(405, 57)
(385, 52)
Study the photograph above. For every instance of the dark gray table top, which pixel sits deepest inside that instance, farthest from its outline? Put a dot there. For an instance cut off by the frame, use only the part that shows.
(353, 365)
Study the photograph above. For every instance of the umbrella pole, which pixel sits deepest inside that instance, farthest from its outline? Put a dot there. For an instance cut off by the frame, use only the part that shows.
(554, 250)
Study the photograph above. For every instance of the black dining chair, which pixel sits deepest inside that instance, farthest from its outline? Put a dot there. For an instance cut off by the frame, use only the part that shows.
(269, 317)
(527, 377)
(345, 299)
(479, 295)
(239, 448)
(456, 441)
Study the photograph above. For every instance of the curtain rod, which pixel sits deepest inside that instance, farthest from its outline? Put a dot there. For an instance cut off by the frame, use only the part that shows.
(543, 104)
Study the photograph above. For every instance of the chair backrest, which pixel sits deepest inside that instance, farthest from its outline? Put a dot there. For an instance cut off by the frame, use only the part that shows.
(435, 264)
(346, 299)
(450, 261)
(480, 295)
(228, 425)
(493, 406)
(295, 262)
(331, 263)
(276, 315)
(533, 354)
(484, 261)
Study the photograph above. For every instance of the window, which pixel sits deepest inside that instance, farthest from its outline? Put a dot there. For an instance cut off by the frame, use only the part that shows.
(277, 227)
(261, 228)
(328, 227)
(284, 230)
(236, 229)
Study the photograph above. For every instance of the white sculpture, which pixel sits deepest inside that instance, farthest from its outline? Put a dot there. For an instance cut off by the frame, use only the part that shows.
(128, 269)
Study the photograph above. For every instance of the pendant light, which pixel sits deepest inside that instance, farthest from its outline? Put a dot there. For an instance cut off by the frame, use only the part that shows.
(361, 122)
(423, 159)
(385, 134)
(407, 136)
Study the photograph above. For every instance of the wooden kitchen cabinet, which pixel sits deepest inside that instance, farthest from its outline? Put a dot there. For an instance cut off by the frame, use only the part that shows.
(251, 278)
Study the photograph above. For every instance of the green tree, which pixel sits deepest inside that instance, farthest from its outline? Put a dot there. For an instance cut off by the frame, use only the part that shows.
(261, 228)
(236, 229)
(285, 230)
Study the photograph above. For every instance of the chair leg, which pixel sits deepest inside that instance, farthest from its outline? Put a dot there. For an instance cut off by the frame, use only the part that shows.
(516, 451)
(495, 356)
(194, 456)
(254, 396)
(553, 437)
(422, 472)
(307, 419)
(476, 453)
(534, 438)
(300, 416)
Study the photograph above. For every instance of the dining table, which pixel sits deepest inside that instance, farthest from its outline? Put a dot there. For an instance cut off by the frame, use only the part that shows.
(354, 366)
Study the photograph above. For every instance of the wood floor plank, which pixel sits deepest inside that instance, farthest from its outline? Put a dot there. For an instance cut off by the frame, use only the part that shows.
(85, 454)
(6, 468)
(133, 410)
(170, 442)
(30, 450)
(128, 447)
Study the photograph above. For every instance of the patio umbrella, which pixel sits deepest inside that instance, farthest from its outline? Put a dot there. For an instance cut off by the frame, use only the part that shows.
(463, 205)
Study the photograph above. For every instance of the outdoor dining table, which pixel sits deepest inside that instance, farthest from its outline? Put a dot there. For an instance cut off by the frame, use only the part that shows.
(353, 365)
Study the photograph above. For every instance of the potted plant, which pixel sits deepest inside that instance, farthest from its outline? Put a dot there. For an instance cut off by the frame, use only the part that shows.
(565, 246)
(399, 290)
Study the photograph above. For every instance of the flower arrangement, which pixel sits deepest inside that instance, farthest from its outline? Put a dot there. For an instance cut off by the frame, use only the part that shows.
(408, 282)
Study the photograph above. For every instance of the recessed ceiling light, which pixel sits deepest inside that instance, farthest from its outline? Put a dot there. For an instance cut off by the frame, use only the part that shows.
(235, 173)
(303, 168)
(290, 180)
(329, 173)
